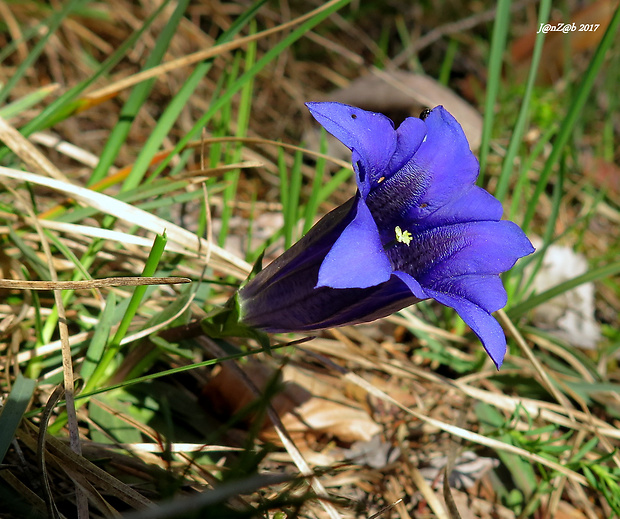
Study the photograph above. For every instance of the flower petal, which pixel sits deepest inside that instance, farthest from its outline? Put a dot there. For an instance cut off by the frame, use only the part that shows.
(369, 135)
(482, 323)
(474, 205)
(418, 228)
(486, 291)
(464, 248)
(441, 170)
(446, 158)
(492, 248)
(357, 259)
(409, 136)
(413, 284)
(303, 259)
(296, 309)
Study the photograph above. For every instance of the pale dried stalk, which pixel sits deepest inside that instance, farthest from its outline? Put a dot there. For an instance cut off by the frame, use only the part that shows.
(449, 428)
(133, 215)
(202, 55)
(88, 284)
(544, 377)
(28, 152)
(67, 361)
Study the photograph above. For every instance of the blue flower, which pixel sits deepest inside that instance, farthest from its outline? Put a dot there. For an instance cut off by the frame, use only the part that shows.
(418, 228)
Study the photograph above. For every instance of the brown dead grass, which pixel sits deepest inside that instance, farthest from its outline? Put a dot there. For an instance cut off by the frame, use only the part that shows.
(348, 389)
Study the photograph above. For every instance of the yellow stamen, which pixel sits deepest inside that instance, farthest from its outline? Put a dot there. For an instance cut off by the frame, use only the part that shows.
(403, 236)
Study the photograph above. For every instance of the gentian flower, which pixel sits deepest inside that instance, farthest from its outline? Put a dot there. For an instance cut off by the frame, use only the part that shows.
(418, 228)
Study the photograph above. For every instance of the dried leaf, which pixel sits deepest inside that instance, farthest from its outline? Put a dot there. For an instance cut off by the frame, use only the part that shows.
(308, 402)
(375, 453)
(403, 94)
(468, 468)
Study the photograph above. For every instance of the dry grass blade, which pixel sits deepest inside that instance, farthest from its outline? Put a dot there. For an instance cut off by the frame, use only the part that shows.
(285, 438)
(270, 142)
(67, 361)
(51, 347)
(25, 492)
(73, 463)
(428, 493)
(219, 495)
(111, 90)
(87, 284)
(158, 448)
(47, 349)
(449, 428)
(14, 29)
(449, 498)
(385, 510)
(135, 216)
(64, 147)
(544, 376)
(414, 403)
(451, 28)
(52, 510)
(27, 151)
(550, 412)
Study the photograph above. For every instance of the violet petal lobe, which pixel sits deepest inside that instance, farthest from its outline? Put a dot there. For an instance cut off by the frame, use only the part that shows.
(409, 137)
(473, 205)
(413, 284)
(369, 135)
(468, 248)
(445, 155)
(357, 258)
(482, 323)
(442, 170)
(485, 291)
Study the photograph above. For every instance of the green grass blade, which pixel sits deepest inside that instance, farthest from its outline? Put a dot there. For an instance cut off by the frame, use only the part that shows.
(317, 182)
(163, 127)
(100, 338)
(174, 109)
(516, 207)
(23, 103)
(448, 61)
(29, 255)
(52, 26)
(333, 183)
(13, 410)
(231, 178)
(519, 128)
(115, 345)
(149, 270)
(575, 107)
(136, 99)
(172, 371)
(537, 259)
(106, 420)
(292, 211)
(67, 104)
(285, 192)
(498, 46)
(596, 274)
(269, 56)
(27, 35)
